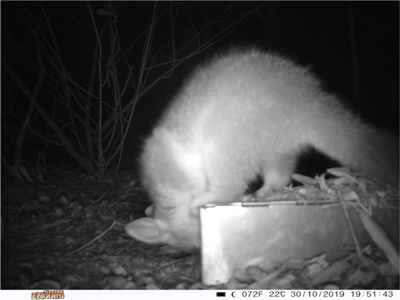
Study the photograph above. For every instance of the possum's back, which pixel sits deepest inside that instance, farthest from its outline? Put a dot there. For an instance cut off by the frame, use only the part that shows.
(251, 103)
(247, 92)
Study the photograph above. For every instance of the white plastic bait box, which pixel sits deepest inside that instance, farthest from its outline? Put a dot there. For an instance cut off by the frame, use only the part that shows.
(241, 234)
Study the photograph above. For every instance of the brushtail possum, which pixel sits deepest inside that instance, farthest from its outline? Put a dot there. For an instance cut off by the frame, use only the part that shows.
(245, 114)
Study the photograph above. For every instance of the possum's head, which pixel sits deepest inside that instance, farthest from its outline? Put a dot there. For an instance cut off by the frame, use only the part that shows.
(172, 174)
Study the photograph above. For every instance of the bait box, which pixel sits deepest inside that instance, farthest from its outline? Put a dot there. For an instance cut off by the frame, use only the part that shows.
(267, 233)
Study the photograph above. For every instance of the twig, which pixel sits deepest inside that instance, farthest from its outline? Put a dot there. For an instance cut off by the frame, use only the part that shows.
(96, 238)
(350, 224)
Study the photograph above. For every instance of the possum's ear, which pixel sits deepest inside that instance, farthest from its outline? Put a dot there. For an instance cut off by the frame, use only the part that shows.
(148, 230)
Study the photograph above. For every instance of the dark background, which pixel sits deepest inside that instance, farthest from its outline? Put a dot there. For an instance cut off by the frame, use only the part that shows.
(352, 46)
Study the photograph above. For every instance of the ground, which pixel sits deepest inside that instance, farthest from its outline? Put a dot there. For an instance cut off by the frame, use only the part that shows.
(68, 233)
